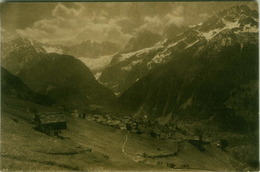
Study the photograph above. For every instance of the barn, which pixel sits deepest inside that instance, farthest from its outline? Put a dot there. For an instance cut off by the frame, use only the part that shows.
(50, 123)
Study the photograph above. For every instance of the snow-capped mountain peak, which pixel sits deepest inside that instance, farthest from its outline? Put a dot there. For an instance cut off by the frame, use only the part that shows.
(237, 25)
(30, 45)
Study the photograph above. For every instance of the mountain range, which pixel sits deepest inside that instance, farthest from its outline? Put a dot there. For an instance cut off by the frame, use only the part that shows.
(207, 72)
(228, 27)
(62, 78)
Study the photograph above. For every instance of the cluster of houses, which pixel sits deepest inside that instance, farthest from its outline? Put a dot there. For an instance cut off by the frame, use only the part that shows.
(52, 123)
(138, 126)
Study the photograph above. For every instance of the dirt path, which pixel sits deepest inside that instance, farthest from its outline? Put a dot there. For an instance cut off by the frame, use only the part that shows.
(123, 149)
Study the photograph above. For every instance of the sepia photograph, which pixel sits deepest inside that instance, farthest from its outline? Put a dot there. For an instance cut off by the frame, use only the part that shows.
(130, 86)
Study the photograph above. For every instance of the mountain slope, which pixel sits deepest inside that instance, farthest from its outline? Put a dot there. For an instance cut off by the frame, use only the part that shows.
(11, 86)
(226, 28)
(200, 84)
(79, 150)
(60, 77)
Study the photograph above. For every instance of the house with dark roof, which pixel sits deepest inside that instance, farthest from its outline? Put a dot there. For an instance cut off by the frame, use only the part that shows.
(50, 123)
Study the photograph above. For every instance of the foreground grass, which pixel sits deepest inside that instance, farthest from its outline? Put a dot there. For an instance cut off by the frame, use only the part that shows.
(88, 146)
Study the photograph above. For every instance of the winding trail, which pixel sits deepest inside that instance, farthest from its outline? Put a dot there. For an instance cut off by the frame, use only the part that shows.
(123, 149)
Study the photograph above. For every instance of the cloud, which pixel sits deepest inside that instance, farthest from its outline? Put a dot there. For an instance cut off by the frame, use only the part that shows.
(154, 24)
(158, 23)
(204, 15)
(177, 20)
(64, 12)
(5, 35)
(176, 16)
(71, 25)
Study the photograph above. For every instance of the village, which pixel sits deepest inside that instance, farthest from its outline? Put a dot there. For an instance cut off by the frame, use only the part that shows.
(151, 128)
(52, 123)
(134, 125)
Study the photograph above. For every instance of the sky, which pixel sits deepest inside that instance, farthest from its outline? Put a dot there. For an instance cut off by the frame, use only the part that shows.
(69, 23)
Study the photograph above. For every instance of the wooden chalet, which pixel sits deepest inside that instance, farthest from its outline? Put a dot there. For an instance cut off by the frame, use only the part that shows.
(50, 123)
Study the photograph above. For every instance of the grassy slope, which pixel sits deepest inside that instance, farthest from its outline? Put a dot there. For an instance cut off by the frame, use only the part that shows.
(24, 148)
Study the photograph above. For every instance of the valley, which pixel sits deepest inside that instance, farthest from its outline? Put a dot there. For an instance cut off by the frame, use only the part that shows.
(134, 87)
